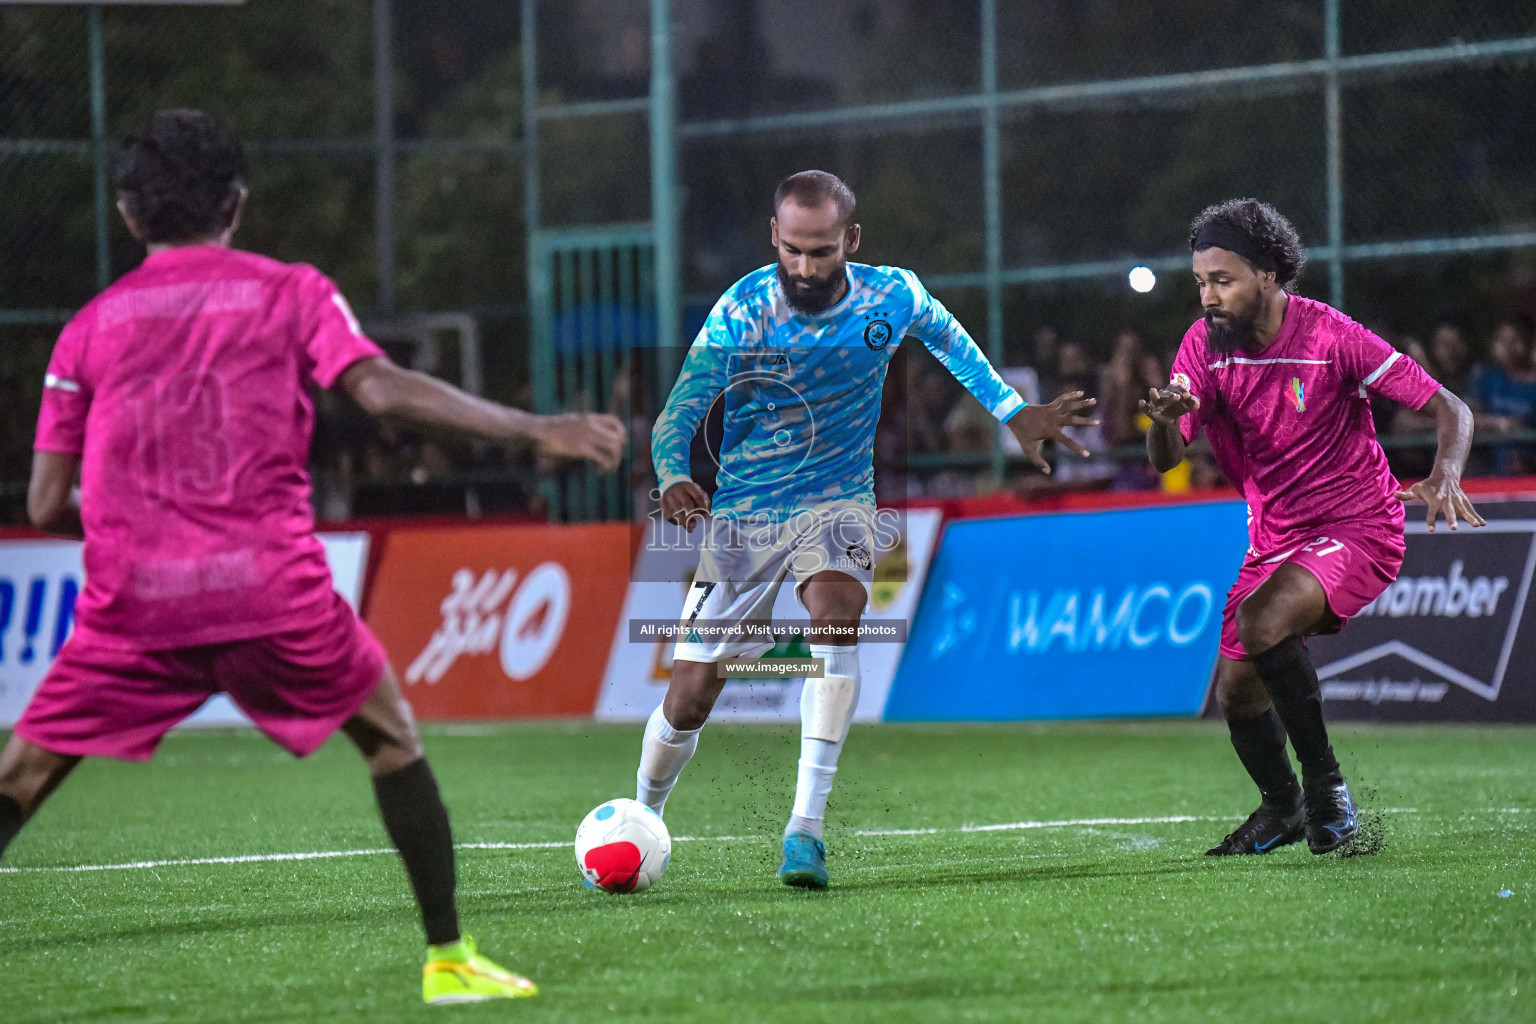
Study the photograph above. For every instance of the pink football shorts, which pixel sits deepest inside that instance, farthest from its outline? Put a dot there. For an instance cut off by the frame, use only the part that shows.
(1354, 566)
(297, 686)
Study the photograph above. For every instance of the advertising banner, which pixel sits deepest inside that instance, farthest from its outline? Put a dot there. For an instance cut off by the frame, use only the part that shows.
(501, 621)
(639, 670)
(1082, 615)
(39, 582)
(1453, 640)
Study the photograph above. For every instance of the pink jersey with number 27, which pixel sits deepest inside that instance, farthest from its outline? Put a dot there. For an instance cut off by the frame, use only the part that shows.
(1291, 426)
(184, 389)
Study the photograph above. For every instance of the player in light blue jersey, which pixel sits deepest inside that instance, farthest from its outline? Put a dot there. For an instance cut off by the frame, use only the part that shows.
(802, 389)
(798, 352)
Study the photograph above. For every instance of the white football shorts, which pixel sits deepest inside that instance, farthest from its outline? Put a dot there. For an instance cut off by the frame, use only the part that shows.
(743, 564)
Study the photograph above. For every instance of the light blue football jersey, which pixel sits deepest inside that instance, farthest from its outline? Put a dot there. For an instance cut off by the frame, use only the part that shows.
(802, 392)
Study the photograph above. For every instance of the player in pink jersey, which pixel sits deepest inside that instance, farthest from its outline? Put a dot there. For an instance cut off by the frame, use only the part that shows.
(180, 396)
(1280, 385)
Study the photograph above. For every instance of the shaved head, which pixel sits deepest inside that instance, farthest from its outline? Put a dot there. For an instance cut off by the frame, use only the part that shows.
(816, 188)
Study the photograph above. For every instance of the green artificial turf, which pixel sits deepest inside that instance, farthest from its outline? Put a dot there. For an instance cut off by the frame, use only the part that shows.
(1066, 922)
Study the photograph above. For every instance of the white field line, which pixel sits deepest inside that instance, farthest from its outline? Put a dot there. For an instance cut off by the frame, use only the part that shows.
(259, 858)
(1012, 826)
(253, 858)
(1015, 826)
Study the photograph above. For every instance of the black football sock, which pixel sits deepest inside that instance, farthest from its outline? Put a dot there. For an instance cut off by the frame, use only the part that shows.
(1260, 745)
(10, 821)
(417, 821)
(1287, 672)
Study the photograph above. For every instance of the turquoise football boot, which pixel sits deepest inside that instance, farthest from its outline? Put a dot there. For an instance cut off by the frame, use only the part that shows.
(805, 861)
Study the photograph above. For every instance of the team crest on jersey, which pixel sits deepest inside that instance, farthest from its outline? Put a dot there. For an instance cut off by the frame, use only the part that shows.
(1297, 394)
(859, 554)
(877, 333)
(1181, 380)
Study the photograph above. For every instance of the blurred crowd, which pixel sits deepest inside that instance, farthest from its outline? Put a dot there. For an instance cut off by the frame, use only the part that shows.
(1500, 388)
(363, 468)
(934, 439)
(937, 420)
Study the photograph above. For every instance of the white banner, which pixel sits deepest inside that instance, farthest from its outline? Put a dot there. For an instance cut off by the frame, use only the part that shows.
(638, 673)
(39, 582)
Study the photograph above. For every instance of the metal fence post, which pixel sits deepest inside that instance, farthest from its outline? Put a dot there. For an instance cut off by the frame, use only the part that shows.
(384, 152)
(664, 198)
(540, 340)
(992, 189)
(1335, 129)
(99, 145)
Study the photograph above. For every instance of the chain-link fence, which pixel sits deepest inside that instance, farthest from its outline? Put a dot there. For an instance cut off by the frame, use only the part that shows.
(1021, 156)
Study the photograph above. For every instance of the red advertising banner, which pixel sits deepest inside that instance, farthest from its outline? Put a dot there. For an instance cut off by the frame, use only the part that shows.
(501, 621)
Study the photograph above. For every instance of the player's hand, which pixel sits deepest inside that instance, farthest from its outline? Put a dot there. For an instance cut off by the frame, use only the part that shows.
(1444, 497)
(1034, 424)
(1166, 405)
(596, 437)
(685, 504)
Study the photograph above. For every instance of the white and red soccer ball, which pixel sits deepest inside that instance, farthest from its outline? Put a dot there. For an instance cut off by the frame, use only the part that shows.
(623, 846)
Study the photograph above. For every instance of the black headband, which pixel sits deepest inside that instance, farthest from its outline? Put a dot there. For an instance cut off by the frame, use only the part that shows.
(1221, 235)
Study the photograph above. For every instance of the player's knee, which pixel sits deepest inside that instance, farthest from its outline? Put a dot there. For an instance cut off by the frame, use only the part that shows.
(836, 622)
(840, 610)
(1259, 627)
(12, 761)
(408, 740)
(834, 597)
(27, 770)
(16, 781)
(385, 732)
(688, 710)
(689, 716)
(403, 734)
(691, 697)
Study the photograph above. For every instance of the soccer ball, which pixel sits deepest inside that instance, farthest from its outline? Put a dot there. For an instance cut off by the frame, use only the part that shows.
(623, 846)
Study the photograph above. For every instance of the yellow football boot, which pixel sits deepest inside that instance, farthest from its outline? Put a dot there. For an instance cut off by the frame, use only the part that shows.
(455, 973)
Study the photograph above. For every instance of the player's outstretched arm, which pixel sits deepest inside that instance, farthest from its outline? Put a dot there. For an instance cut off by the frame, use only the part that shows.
(1164, 406)
(1441, 490)
(53, 502)
(384, 389)
(1034, 424)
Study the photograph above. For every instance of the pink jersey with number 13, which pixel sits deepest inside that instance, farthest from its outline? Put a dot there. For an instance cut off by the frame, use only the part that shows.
(1291, 426)
(184, 389)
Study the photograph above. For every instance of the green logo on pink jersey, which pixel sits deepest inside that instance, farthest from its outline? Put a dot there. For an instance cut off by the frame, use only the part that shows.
(1298, 394)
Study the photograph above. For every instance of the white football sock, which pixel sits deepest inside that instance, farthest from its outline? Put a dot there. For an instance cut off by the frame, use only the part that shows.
(818, 757)
(663, 753)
